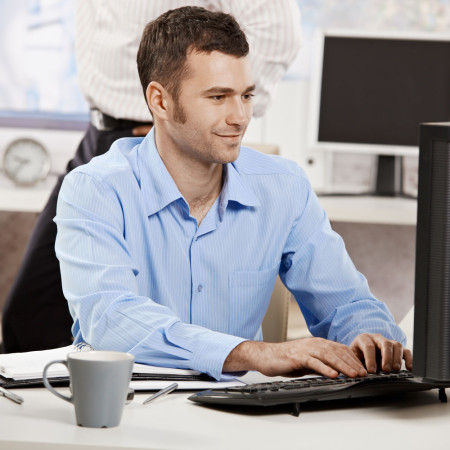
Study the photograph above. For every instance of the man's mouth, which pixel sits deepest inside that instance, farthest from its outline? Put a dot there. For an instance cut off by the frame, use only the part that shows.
(231, 139)
(230, 136)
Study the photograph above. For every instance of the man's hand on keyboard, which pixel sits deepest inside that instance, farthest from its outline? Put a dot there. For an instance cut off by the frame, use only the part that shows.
(379, 353)
(295, 358)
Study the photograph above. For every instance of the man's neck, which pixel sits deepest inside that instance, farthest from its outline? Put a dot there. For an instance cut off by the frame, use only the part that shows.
(200, 190)
(199, 183)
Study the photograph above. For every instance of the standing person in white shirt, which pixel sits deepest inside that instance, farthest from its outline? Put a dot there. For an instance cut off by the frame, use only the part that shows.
(36, 314)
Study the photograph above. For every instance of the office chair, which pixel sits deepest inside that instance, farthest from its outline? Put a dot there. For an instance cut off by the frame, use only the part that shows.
(275, 323)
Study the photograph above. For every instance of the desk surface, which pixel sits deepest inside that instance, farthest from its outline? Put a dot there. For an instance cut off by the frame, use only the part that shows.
(46, 422)
(370, 209)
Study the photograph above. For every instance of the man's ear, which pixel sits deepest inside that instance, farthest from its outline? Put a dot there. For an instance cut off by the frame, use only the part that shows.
(157, 100)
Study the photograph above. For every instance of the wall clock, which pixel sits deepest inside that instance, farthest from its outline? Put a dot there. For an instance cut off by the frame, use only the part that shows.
(26, 161)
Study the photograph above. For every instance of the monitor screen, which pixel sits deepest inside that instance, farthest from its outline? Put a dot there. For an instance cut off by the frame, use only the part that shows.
(372, 91)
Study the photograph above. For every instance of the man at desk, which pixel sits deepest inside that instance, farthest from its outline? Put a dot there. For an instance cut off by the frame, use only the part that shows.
(170, 245)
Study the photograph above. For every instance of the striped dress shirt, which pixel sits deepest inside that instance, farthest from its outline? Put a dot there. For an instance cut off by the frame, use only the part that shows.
(108, 33)
(141, 276)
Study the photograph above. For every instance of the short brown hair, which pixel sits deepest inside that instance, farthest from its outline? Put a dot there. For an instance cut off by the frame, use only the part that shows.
(167, 40)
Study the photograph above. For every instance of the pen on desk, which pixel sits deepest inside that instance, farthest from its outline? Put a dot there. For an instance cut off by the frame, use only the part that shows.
(165, 391)
(11, 396)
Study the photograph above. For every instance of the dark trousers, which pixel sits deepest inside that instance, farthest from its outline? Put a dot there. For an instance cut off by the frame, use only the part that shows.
(36, 315)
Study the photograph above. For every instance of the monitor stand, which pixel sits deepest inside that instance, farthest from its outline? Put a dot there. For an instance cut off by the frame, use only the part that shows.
(389, 176)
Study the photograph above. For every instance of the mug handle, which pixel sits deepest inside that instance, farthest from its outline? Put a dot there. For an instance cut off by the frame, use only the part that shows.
(49, 386)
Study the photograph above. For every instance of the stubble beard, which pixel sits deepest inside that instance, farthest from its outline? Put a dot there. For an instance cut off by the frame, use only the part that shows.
(180, 117)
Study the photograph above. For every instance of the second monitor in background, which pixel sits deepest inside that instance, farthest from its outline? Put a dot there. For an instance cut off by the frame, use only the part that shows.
(371, 92)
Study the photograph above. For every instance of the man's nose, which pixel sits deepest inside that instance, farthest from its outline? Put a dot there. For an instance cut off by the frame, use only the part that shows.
(239, 113)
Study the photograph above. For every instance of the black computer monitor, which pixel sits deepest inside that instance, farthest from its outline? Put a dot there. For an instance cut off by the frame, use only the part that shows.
(432, 279)
(373, 90)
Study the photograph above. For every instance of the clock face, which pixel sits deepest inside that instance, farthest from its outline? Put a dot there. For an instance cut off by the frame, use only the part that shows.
(26, 161)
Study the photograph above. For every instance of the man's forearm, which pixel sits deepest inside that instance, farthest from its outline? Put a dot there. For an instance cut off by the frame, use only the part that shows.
(246, 356)
(271, 358)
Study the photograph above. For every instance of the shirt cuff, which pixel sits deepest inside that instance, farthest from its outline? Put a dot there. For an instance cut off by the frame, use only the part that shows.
(210, 354)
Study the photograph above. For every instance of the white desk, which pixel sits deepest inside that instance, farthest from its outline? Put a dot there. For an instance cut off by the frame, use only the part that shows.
(44, 422)
(24, 199)
(367, 209)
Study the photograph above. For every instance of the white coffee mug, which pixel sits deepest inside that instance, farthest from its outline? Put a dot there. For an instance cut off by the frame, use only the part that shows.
(99, 381)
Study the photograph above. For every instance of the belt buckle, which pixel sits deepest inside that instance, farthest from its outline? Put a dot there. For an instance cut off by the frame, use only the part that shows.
(98, 120)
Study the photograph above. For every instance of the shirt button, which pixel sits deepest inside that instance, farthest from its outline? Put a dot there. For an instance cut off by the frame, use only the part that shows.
(199, 288)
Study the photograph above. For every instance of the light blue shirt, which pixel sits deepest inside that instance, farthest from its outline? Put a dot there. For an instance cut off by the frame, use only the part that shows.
(140, 275)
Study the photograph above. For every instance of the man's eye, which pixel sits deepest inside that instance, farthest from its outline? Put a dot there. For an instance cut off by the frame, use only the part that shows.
(217, 98)
(248, 96)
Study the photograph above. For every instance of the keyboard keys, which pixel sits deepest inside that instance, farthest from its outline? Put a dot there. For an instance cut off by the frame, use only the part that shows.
(303, 390)
(315, 382)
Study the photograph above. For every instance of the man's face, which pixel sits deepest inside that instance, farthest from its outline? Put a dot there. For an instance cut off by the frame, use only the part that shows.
(213, 109)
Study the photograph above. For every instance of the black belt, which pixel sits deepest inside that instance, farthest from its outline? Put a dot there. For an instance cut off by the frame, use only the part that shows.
(103, 122)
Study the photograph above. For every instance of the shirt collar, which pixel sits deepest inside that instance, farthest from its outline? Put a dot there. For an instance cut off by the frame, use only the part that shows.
(157, 185)
(160, 190)
(235, 189)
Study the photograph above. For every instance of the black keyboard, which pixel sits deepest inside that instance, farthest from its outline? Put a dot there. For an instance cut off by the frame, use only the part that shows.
(304, 390)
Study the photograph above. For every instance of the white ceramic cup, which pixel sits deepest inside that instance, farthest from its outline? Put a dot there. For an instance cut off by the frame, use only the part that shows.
(99, 381)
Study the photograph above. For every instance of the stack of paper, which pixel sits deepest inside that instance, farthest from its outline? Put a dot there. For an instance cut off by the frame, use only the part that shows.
(29, 365)
(25, 369)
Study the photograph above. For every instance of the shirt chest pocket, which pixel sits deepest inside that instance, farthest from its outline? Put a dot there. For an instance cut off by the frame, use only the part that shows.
(250, 293)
